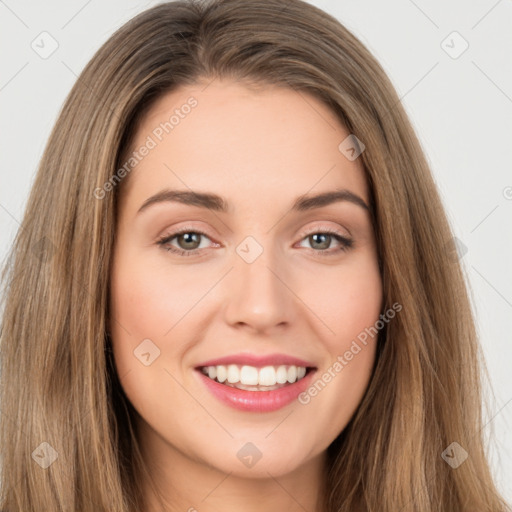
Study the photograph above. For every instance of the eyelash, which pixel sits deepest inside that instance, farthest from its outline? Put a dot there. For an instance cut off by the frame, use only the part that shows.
(346, 243)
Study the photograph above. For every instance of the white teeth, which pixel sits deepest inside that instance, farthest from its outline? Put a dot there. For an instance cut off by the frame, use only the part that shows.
(292, 374)
(281, 375)
(267, 376)
(246, 375)
(249, 375)
(233, 373)
(222, 373)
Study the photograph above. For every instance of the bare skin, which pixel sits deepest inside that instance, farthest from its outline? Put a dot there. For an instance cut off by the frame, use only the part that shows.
(304, 296)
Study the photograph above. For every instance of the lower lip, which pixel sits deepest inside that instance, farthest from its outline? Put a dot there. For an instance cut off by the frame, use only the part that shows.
(257, 401)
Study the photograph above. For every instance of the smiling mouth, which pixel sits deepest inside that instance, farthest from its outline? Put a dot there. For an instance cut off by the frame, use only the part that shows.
(251, 378)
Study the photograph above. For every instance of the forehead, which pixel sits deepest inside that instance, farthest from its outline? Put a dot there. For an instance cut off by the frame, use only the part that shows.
(251, 145)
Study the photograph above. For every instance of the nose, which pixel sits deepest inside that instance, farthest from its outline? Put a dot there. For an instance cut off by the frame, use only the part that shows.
(259, 294)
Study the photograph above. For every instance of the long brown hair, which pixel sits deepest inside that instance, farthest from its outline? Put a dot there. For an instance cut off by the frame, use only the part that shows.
(59, 385)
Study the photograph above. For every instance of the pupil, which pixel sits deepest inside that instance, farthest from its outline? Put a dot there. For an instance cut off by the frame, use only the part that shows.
(189, 239)
(325, 243)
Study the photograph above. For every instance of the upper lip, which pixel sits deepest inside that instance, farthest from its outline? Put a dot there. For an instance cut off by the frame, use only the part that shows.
(257, 360)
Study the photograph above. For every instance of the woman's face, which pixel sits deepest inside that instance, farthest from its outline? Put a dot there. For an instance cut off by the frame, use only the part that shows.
(261, 286)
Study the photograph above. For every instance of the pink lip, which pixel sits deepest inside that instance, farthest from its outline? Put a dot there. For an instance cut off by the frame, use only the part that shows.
(257, 361)
(256, 401)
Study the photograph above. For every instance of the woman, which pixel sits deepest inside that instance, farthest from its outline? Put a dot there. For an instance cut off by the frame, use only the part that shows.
(171, 342)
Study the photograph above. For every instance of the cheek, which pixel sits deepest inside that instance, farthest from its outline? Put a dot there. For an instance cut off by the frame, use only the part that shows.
(139, 312)
(144, 306)
(146, 299)
(347, 301)
(150, 302)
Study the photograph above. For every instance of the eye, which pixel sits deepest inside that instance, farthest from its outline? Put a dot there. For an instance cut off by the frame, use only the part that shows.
(321, 240)
(189, 242)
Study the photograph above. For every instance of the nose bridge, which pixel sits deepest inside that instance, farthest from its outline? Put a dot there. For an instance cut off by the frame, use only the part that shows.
(257, 295)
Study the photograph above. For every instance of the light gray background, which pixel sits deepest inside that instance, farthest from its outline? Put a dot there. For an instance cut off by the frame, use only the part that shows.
(461, 109)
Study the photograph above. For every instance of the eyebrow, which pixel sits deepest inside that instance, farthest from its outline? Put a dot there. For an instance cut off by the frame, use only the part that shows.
(219, 204)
